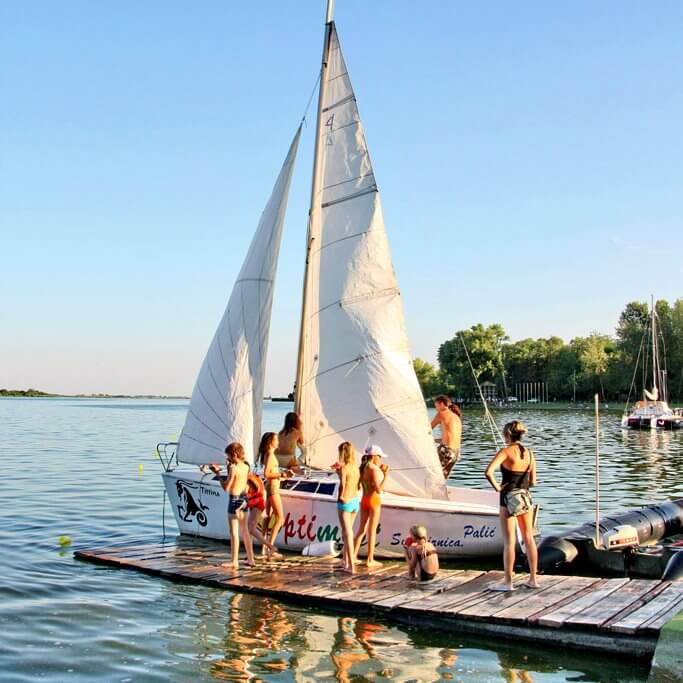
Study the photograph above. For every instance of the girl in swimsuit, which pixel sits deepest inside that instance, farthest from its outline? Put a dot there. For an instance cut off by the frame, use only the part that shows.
(348, 500)
(235, 486)
(518, 468)
(373, 476)
(289, 438)
(273, 475)
(423, 562)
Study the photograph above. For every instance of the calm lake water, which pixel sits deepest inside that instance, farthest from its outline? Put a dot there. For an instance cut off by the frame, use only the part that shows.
(72, 467)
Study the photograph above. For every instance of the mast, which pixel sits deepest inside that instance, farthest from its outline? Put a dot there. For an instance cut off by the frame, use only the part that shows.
(654, 348)
(314, 210)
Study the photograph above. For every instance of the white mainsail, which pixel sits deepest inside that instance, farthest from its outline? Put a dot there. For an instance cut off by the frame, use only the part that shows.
(357, 378)
(227, 399)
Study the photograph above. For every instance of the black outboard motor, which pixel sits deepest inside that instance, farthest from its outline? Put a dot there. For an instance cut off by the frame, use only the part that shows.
(651, 523)
(674, 567)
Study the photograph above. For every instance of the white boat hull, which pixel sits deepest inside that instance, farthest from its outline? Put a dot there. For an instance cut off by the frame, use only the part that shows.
(465, 526)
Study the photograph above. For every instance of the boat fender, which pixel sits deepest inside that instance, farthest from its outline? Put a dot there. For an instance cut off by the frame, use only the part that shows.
(554, 552)
(323, 549)
(674, 567)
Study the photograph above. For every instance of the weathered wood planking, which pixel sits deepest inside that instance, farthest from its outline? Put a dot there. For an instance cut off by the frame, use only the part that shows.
(608, 615)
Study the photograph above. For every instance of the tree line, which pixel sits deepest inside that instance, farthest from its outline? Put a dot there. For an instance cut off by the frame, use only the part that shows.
(610, 365)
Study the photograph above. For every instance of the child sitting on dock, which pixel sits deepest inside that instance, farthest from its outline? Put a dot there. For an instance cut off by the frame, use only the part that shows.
(421, 557)
(236, 487)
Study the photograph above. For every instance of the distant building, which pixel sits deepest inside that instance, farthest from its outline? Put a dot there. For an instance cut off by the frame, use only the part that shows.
(489, 391)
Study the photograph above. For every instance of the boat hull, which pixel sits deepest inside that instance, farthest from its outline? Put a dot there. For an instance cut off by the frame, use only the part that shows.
(465, 526)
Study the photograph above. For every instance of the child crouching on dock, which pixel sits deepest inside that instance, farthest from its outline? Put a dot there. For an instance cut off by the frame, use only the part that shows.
(236, 488)
(421, 557)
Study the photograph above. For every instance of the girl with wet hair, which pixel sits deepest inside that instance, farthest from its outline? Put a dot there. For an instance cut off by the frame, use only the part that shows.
(517, 465)
(348, 501)
(275, 514)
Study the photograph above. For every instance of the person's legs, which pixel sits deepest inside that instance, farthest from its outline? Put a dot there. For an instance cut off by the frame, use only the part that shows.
(526, 527)
(507, 524)
(278, 512)
(255, 516)
(372, 535)
(246, 537)
(234, 540)
(360, 534)
(347, 536)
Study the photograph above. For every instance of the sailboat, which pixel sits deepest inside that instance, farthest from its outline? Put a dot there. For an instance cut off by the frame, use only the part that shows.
(355, 379)
(653, 411)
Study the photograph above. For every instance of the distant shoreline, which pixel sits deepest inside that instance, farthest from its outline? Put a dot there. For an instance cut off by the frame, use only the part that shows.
(35, 393)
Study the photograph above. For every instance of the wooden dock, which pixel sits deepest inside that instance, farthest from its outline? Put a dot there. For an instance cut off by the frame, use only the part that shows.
(608, 615)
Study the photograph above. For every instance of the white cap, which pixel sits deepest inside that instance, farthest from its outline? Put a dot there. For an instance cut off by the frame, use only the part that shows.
(374, 449)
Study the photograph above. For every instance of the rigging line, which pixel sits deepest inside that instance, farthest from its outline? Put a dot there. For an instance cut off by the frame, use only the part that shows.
(206, 400)
(199, 441)
(310, 99)
(492, 423)
(635, 372)
(221, 437)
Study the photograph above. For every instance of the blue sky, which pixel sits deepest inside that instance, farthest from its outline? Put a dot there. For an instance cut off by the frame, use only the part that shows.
(529, 155)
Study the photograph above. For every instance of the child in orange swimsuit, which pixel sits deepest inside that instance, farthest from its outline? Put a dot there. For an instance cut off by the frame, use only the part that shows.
(373, 478)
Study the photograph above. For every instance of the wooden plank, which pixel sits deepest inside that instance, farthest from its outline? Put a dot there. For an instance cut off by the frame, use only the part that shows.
(603, 610)
(650, 610)
(470, 592)
(497, 602)
(596, 592)
(450, 587)
(464, 593)
(536, 602)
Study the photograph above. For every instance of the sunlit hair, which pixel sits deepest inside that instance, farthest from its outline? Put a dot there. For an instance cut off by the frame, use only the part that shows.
(234, 451)
(515, 430)
(449, 404)
(267, 444)
(347, 453)
(418, 532)
(364, 462)
(292, 422)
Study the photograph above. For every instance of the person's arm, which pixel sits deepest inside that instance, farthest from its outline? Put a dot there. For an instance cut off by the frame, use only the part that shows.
(378, 478)
(532, 472)
(412, 562)
(229, 480)
(437, 420)
(493, 466)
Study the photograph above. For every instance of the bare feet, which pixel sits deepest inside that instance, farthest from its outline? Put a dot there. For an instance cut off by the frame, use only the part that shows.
(501, 587)
(275, 556)
(231, 565)
(531, 583)
(373, 563)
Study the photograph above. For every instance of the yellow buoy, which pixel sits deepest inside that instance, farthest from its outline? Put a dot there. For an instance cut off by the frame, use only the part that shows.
(64, 540)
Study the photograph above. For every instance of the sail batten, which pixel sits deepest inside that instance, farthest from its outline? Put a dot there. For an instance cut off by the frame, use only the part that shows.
(357, 380)
(227, 400)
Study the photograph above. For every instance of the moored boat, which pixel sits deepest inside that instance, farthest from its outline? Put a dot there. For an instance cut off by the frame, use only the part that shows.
(653, 410)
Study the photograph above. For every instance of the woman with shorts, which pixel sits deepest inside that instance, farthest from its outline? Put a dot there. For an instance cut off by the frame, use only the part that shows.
(518, 469)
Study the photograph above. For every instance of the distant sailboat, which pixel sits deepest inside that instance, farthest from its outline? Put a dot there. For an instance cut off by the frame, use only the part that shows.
(355, 379)
(653, 411)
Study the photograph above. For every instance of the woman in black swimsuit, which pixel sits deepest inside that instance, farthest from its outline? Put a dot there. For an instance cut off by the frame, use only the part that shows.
(518, 468)
(423, 562)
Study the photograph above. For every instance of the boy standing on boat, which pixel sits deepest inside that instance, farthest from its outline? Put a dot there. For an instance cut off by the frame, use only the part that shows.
(448, 418)
(236, 488)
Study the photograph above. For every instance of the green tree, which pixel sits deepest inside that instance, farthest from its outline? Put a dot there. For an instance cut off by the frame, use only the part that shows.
(484, 345)
(427, 376)
(593, 353)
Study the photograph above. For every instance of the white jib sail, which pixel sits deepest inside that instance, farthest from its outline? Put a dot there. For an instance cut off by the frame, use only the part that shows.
(227, 399)
(358, 381)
